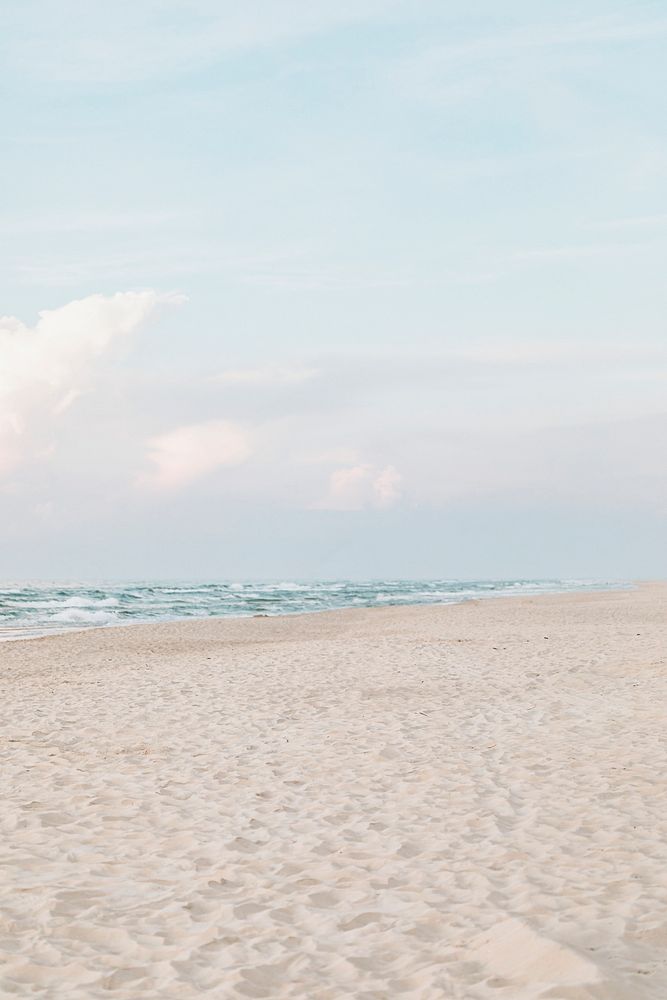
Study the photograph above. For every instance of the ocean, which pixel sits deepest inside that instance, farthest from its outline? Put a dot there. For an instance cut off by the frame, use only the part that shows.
(33, 609)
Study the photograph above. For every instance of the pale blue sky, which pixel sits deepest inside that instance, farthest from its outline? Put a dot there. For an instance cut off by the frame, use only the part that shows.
(408, 268)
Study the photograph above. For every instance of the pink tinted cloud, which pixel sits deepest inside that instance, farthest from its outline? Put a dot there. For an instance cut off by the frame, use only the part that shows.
(183, 455)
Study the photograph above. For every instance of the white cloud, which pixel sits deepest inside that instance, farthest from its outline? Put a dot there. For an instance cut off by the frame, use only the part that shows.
(44, 368)
(387, 487)
(580, 251)
(185, 454)
(86, 222)
(463, 63)
(75, 42)
(536, 72)
(266, 376)
(547, 354)
(657, 220)
(358, 486)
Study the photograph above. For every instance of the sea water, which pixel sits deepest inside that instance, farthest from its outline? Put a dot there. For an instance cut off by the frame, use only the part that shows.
(31, 609)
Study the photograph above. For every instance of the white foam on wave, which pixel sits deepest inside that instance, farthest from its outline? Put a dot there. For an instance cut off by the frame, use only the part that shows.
(70, 602)
(90, 602)
(205, 588)
(84, 616)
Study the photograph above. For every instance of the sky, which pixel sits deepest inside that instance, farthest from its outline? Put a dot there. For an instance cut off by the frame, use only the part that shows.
(333, 289)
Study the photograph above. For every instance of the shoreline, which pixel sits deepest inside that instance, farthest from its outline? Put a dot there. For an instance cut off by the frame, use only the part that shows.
(621, 586)
(429, 801)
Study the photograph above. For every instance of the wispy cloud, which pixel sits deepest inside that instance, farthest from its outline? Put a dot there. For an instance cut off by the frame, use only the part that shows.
(323, 280)
(657, 220)
(614, 28)
(270, 375)
(69, 42)
(87, 222)
(552, 354)
(579, 251)
(529, 65)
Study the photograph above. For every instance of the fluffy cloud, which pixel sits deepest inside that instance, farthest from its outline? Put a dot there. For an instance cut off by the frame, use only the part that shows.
(44, 368)
(185, 454)
(359, 486)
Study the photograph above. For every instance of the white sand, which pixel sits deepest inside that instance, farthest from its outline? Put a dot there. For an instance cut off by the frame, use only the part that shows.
(458, 802)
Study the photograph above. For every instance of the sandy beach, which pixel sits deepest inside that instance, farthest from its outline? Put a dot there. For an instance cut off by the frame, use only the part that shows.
(424, 802)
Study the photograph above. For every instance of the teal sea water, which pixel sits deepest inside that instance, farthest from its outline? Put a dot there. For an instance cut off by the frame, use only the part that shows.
(29, 609)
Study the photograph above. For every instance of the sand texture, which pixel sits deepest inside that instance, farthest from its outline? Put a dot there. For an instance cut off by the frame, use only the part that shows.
(453, 802)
